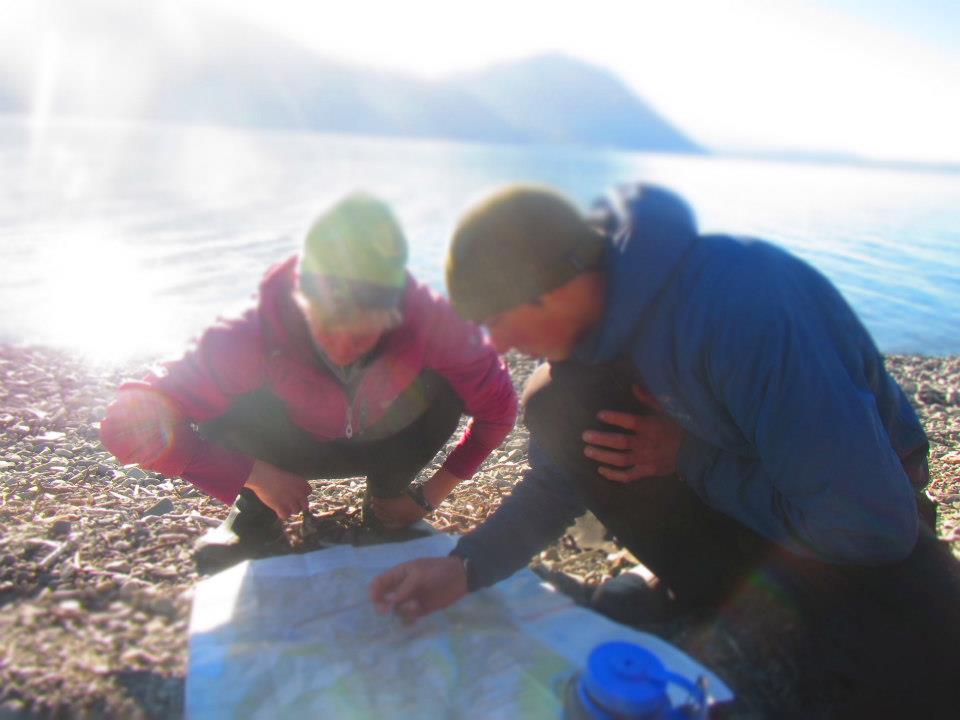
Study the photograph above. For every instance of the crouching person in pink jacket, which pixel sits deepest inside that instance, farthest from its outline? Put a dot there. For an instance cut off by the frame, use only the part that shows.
(346, 366)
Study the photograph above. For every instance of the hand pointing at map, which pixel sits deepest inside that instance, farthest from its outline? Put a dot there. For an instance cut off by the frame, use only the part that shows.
(419, 587)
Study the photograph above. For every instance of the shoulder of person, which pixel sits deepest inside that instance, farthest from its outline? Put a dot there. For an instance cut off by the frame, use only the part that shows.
(745, 276)
(422, 305)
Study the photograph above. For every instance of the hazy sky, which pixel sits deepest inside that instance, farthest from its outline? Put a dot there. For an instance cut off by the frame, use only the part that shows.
(877, 78)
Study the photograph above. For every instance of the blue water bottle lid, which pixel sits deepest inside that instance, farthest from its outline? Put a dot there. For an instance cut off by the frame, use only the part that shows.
(626, 680)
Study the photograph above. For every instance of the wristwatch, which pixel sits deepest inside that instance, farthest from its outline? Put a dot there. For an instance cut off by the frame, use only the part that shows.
(415, 493)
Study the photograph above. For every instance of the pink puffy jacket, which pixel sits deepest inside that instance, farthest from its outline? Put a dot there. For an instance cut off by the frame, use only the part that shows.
(150, 421)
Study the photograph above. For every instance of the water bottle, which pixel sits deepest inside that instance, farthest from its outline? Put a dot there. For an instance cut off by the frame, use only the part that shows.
(623, 681)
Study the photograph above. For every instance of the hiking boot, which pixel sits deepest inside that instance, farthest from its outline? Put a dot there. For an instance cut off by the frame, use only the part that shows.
(631, 600)
(251, 530)
(627, 599)
(377, 535)
(373, 532)
(571, 587)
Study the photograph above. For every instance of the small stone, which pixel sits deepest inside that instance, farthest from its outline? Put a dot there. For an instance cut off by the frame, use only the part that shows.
(63, 452)
(107, 585)
(60, 528)
(161, 507)
(70, 609)
(167, 571)
(928, 395)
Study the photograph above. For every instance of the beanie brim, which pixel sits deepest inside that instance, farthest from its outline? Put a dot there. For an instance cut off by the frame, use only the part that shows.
(519, 244)
(359, 242)
(341, 296)
(494, 284)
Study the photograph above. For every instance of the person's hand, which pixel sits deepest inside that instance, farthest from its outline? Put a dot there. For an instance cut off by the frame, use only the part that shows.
(398, 512)
(140, 426)
(648, 448)
(285, 493)
(419, 587)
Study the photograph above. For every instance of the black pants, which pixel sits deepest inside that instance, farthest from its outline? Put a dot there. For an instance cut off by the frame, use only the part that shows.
(892, 631)
(258, 424)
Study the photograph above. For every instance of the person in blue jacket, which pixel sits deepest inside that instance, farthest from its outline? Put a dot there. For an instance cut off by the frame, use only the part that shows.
(719, 407)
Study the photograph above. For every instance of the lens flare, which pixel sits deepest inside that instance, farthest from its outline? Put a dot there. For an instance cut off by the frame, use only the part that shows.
(97, 298)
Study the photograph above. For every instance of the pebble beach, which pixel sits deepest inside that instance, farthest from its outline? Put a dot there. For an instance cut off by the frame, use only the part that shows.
(95, 570)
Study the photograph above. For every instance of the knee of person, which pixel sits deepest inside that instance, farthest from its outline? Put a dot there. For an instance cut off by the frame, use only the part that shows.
(442, 392)
(444, 405)
(554, 410)
(537, 383)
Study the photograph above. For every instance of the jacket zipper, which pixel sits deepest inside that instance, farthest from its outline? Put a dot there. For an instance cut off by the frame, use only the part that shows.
(348, 429)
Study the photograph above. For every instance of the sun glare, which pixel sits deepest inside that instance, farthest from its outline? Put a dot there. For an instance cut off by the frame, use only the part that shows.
(97, 299)
(45, 83)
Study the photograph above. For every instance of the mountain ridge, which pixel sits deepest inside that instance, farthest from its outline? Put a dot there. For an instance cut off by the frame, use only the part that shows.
(216, 69)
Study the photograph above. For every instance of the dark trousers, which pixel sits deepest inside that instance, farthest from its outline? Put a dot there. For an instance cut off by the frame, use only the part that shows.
(258, 424)
(892, 632)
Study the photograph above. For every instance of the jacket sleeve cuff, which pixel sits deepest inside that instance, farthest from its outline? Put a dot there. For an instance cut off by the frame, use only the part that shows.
(469, 568)
(456, 465)
(478, 441)
(480, 574)
(219, 472)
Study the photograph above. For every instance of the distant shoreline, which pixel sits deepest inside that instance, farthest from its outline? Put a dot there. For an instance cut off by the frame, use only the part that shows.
(773, 156)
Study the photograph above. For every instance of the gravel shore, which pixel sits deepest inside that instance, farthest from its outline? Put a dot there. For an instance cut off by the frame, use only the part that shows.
(95, 570)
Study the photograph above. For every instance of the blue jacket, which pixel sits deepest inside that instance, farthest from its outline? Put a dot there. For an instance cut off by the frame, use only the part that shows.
(794, 427)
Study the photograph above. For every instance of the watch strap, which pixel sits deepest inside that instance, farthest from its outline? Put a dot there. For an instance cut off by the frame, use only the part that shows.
(415, 493)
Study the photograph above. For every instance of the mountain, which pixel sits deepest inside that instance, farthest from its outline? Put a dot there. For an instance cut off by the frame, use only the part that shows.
(156, 62)
(295, 90)
(558, 99)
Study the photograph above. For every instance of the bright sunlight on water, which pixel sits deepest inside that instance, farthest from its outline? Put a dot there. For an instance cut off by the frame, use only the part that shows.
(120, 240)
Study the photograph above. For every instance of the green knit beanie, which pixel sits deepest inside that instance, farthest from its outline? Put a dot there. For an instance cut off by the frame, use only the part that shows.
(354, 256)
(515, 246)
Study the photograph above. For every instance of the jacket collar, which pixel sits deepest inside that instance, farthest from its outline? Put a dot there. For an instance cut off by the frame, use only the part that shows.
(649, 230)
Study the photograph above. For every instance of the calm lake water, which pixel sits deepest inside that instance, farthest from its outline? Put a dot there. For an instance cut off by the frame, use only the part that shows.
(118, 240)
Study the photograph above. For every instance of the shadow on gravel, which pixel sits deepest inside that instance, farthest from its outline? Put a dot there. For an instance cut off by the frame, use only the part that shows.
(159, 696)
(14, 710)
